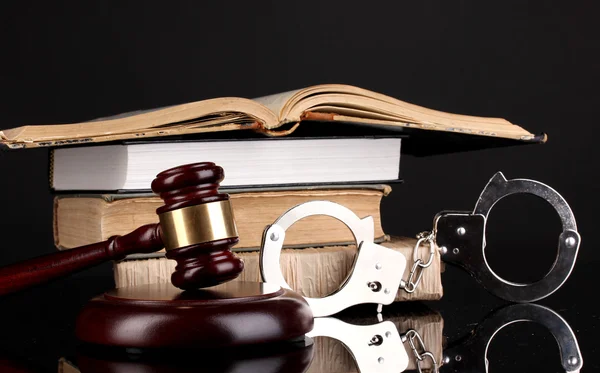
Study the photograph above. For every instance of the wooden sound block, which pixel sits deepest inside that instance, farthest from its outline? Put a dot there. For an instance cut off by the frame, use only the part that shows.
(163, 316)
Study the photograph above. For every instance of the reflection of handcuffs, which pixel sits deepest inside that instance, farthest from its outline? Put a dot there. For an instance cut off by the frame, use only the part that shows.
(377, 270)
(378, 347)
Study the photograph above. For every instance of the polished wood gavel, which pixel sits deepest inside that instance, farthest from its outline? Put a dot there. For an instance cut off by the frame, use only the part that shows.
(197, 229)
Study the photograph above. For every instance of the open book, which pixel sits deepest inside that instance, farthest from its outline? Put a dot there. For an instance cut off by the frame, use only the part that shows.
(275, 115)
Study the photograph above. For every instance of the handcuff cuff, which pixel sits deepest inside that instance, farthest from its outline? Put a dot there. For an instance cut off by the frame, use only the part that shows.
(379, 347)
(376, 274)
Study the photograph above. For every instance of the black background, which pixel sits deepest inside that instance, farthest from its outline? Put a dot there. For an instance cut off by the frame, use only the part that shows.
(533, 63)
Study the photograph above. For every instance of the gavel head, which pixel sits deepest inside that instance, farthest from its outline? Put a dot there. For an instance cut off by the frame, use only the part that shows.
(197, 225)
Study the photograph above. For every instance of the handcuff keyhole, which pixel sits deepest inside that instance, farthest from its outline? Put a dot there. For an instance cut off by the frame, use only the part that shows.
(375, 286)
(377, 340)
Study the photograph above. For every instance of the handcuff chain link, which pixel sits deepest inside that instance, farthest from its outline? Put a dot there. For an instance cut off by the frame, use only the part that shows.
(410, 285)
(413, 335)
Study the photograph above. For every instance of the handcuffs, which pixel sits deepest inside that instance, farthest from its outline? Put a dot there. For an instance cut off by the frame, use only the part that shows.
(379, 347)
(377, 271)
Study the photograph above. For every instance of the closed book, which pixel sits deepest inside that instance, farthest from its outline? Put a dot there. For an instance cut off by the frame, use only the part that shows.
(82, 219)
(247, 163)
(313, 272)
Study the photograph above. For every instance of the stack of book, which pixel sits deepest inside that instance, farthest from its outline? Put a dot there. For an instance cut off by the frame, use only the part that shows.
(101, 172)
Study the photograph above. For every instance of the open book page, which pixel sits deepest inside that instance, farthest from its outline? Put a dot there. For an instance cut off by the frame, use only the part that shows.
(345, 103)
(335, 102)
(277, 102)
(219, 114)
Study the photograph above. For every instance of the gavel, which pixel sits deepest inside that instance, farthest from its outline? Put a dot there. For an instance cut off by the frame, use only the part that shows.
(196, 227)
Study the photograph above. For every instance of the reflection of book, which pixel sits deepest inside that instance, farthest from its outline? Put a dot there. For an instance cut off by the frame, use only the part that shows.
(274, 115)
(84, 219)
(313, 272)
(253, 162)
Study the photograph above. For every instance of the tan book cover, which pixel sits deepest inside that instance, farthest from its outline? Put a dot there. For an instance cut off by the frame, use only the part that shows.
(84, 219)
(275, 115)
(313, 272)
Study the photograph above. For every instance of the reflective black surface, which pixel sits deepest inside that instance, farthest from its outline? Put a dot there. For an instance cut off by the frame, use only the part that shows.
(38, 330)
(532, 63)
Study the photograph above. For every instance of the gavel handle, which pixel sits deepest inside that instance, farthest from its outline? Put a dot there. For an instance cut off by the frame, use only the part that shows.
(19, 276)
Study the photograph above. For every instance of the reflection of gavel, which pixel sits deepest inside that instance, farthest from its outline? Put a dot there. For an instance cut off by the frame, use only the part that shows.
(196, 227)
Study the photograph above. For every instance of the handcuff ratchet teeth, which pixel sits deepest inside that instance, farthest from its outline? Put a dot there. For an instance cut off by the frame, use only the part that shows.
(377, 271)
